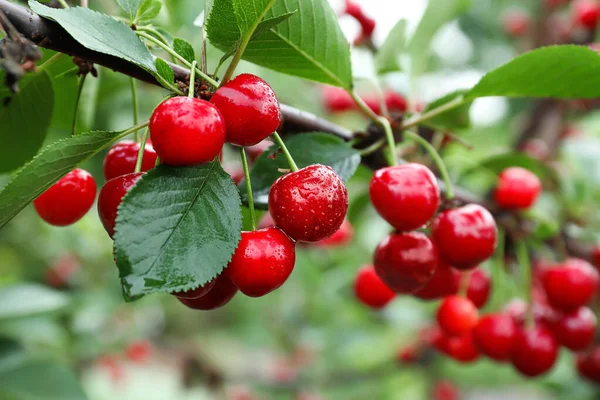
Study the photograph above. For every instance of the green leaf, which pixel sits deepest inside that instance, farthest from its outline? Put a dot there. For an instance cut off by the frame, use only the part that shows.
(456, 118)
(99, 32)
(386, 59)
(184, 49)
(131, 7)
(568, 72)
(47, 167)
(27, 300)
(164, 70)
(177, 229)
(307, 149)
(438, 13)
(310, 44)
(148, 10)
(25, 120)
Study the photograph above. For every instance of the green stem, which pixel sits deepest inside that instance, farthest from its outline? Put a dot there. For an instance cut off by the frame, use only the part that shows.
(140, 157)
(248, 187)
(523, 259)
(72, 71)
(79, 91)
(286, 153)
(177, 56)
(134, 97)
(363, 106)
(372, 148)
(437, 159)
(157, 34)
(63, 3)
(192, 86)
(420, 118)
(50, 61)
(237, 57)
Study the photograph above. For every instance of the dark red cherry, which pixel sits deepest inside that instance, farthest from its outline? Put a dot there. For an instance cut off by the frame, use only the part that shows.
(122, 157)
(465, 236)
(457, 315)
(588, 364)
(68, 200)
(517, 188)
(479, 287)
(445, 282)
(462, 348)
(534, 351)
(195, 293)
(406, 261)
(570, 285)
(586, 13)
(262, 262)
(250, 108)
(187, 131)
(596, 256)
(575, 330)
(110, 198)
(406, 196)
(370, 289)
(341, 237)
(221, 294)
(495, 335)
(310, 204)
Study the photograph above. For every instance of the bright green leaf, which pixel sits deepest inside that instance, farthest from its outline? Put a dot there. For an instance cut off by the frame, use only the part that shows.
(184, 49)
(386, 59)
(46, 168)
(456, 118)
(177, 229)
(149, 9)
(164, 70)
(25, 120)
(27, 300)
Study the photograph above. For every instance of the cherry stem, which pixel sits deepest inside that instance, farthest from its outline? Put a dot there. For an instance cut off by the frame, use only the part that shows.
(77, 98)
(436, 159)
(248, 187)
(465, 279)
(191, 87)
(285, 151)
(63, 3)
(140, 157)
(523, 259)
(49, 62)
(497, 273)
(136, 115)
(418, 119)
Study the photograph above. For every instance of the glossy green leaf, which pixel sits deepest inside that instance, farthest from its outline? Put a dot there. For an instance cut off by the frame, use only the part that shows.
(310, 44)
(46, 168)
(307, 149)
(149, 9)
(184, 49)
(164, 70)
(26, 300)
(386, 59)
(456, 118)
(99, 32)
(177, 229)
(24, 120)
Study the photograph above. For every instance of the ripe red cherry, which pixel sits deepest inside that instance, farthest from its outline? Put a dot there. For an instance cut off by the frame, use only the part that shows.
(110, 197)
(187, 131)
(465, 236)
(445, 282)
(68, 200)
(516, 23)
(262, 262)
(517, 309)
(570, 285)
(588, 364)
(310, 204)
(407, 196)
(534, 351)
(337, 100)
(494, 336)
(139, 351)
(587, 13)
(461, 348)
(395, 102)
(370, 289)
(195, 293)
(517, 188)
(341, 237)
(405, 262)
(250, 108)
(596, 256)
(221, 293)
(122, 157)
(457, 315)
(445, 390)
(479, 287)
(575, 330)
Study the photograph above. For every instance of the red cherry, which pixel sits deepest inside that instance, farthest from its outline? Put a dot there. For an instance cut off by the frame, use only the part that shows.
(596, 256)
(187, 131)
(445, 282)
(445, 390)
(139, 351)
(255, 151)
(406, 261)
(195, 293)
(462, 348)
(262, 262)
(457, 315)
(517, 309)
(122, 157)
(479, 287)
(221, 293)
(370, 289)
(570, 285)
(588, 364)
(395, 102)
(250, 108)
(575, 330)
(407, 196)
(367, 24)
(517, 188)
(310, 204)
(516, 23)
(408, 354)
(534, 351)
(465, 236)
(110, 198)
(495, 335)
(373, 102)
(68, 200)
(337, 100)
(341, 237)
(62, 270)
(587, 13)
